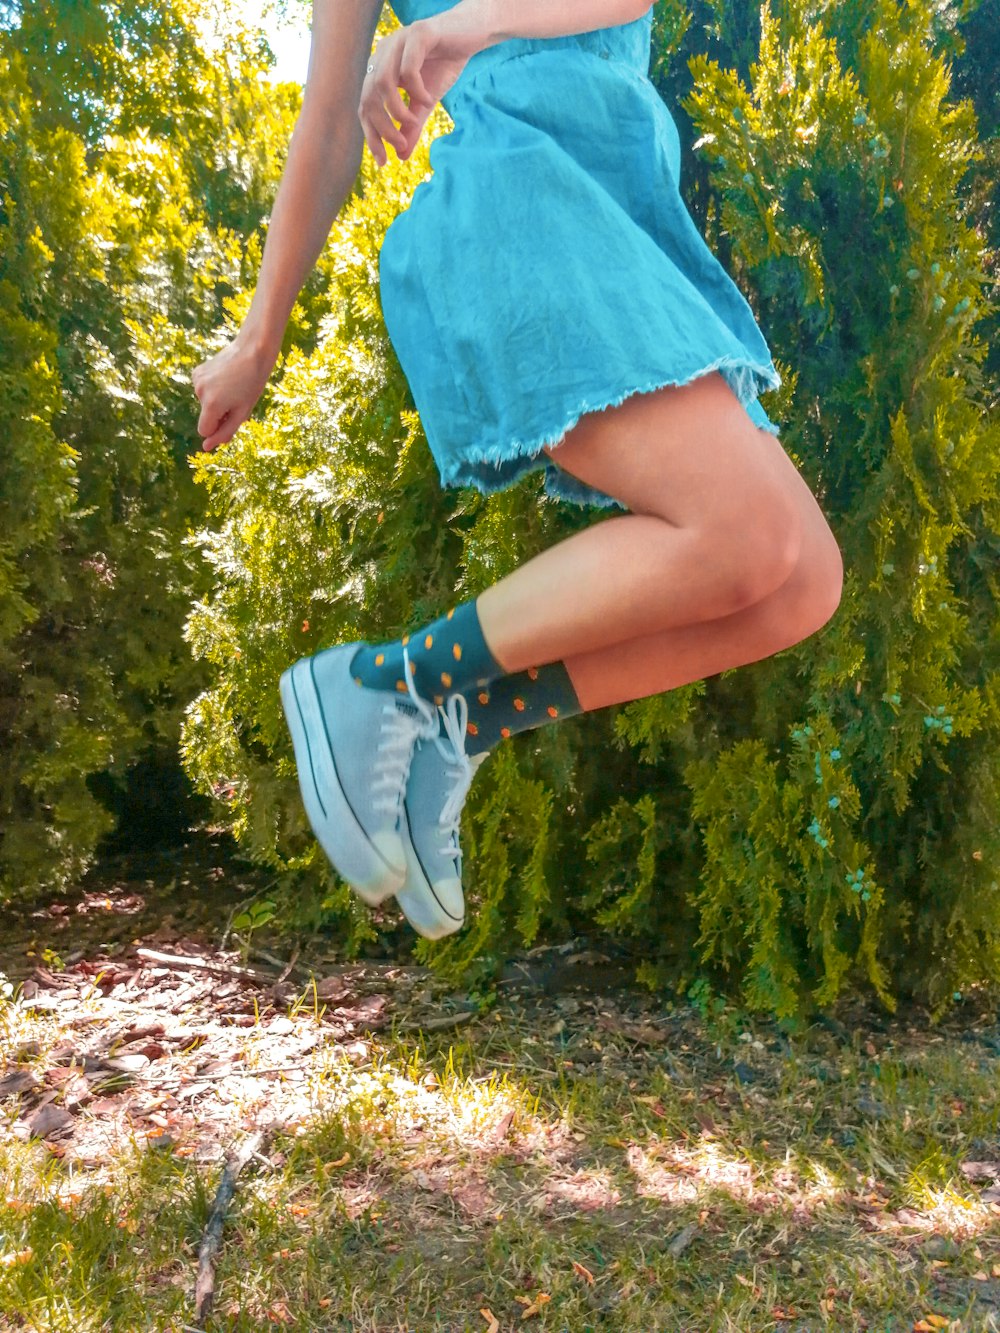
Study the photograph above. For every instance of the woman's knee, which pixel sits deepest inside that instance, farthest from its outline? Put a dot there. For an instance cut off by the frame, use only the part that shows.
(811, 596)
(826, 578)
(758, 545)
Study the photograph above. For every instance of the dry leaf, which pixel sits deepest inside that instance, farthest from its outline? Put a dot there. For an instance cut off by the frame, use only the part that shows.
(536, 1305)
(491, 1319)
(341, 1161)
(585, 1273)
(49, 1119)
(16, 1257)
(747, 1283)
(980, 1170)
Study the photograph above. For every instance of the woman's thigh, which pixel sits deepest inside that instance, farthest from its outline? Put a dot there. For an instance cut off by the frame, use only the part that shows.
(691, 456)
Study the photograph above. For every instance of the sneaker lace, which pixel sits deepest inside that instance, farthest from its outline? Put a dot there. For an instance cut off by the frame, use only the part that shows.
(400, 731)
(461, 769)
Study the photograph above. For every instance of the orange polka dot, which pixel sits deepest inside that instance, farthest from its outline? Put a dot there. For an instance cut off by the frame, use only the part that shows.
(519, 705)
(428, 641)
(532, 673)
(405, 640)
(505, 733)
(552, 712)
(439, 699)
(401, 686)
(484, 698)
(413, 668)
(451, 613)
(379, 659)
(446, 680)
(456, 651)
(472, 729)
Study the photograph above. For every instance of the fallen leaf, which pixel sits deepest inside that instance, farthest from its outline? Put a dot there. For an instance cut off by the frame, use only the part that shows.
(747, 1283)
(341, 1161)
(16, 1257)
(585, 1273)
(980, 1276)
(21, 1080)
(491, 1319)
(536, 1307)
(503, 1127)
(980, 1170)
(332, 988)
(48, 1120)
(683, 1239)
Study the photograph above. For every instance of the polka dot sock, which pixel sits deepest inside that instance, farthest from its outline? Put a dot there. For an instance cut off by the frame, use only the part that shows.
(519, 702)
(448, 656)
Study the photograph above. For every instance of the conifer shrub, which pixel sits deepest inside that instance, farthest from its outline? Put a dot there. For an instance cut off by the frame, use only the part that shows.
(820, 821)
(116, 252)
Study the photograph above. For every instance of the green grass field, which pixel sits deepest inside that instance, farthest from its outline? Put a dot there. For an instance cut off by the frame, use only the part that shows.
(544, 1162)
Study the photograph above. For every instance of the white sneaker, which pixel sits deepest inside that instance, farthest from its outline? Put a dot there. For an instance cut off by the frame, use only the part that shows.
(353, 749)
(440, 776)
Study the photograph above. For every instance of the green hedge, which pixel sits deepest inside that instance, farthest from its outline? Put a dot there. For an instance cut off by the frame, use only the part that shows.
(820, 821)
(136, 168)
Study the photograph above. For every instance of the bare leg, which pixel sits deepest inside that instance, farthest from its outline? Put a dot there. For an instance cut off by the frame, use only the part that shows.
(718, 522)
(662, 661)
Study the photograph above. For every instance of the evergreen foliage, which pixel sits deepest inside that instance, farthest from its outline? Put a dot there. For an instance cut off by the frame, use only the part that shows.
(821, 820)
(135, 172)
(789, 828)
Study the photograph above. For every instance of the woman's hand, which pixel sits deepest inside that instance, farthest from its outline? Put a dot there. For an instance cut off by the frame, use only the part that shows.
(228, 386)
(425, 58)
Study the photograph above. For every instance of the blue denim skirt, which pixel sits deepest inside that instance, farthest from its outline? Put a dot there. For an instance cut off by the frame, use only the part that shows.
(548, 266)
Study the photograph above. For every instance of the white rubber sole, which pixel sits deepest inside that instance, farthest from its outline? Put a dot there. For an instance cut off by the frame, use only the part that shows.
(430, 910)
(374, 867)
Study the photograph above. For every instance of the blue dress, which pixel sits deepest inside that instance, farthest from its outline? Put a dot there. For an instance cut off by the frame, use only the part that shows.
(548, 266)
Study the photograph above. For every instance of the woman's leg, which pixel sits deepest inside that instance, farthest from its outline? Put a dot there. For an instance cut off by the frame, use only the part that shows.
(655, 663)
(718, 524)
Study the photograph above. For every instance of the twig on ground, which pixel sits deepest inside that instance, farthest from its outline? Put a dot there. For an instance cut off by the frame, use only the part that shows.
(440, 1021)
(229, 925)
(208, 965)
(211, 1241)
(275, 961)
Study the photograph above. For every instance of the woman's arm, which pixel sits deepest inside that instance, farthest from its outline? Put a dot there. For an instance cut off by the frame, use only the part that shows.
(324, 155)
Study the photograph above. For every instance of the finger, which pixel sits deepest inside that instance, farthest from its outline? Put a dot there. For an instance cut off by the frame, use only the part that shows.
(410, 65)
(227, 428)
(211, 418)
(374, 144)
(214, 440)
(386, 130)
(397, 108)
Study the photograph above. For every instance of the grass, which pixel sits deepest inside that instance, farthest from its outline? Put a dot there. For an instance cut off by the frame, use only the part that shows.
(573, 1162)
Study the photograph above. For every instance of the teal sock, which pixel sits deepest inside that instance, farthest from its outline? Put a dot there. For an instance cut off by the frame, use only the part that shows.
(448, 656)
(518, 702)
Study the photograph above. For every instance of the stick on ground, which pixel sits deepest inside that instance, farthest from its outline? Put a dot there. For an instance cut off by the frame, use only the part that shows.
(211, 1241)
